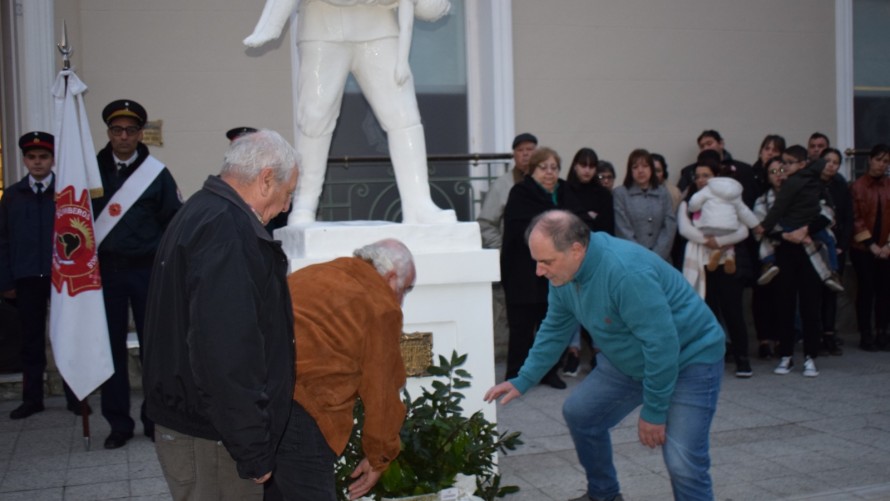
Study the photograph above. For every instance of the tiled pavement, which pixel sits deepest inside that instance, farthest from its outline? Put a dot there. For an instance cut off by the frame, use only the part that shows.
(774, 437)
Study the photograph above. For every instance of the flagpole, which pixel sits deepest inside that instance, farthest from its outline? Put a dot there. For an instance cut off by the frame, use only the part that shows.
(66, 50)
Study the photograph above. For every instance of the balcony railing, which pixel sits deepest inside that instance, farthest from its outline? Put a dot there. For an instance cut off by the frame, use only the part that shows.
(364, 188)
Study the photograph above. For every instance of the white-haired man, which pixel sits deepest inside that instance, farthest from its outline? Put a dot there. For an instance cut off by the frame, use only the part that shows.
(347, 325)
(218, 369)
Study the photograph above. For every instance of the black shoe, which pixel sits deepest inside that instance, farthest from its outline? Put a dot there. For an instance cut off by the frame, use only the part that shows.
(829, 345)
(867, 346)
(571, 365)
(75, 408)
(150, 433)
(554, 381)
(765, 351)
(117, 439)
(743, 369)
(25, 410)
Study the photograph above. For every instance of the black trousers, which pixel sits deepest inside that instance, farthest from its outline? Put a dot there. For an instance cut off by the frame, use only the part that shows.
(122, 289)
(32, 298)
(798, 285)
(766, 311)
(524, 320)
(829, 300)
(872, 293)
(304, 463)
(724, 296)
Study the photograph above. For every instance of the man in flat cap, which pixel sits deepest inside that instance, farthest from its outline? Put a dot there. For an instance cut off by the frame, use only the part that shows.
(491, 220)
(27, 215)
(140, 198)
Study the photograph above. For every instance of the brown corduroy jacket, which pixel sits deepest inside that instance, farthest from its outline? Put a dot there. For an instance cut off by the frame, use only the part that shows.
(347, 326)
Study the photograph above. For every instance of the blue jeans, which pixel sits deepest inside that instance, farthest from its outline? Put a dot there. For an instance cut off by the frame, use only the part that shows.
(606, 396)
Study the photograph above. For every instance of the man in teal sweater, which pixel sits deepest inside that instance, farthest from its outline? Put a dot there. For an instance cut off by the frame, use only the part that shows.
(660, 346)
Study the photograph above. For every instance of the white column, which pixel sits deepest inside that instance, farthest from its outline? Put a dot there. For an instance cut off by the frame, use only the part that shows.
(489, 45)
(843, 29)
(37, 54)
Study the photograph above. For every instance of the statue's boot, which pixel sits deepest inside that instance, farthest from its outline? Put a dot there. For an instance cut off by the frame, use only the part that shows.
(407, 149)
(313, 165)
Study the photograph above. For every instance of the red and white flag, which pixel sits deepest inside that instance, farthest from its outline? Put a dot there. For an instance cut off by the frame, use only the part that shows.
(78, 329)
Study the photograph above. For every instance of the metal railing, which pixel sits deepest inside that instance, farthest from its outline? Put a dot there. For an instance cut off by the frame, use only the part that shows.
(364, 188)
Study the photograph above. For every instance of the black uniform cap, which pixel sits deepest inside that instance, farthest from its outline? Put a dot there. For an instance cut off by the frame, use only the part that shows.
(237, 132)
(37, 140)
(124, 108)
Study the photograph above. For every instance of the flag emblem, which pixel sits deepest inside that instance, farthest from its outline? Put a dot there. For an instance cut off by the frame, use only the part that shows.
(75, 261)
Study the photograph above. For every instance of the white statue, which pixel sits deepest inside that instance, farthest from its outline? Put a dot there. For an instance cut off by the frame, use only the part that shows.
(365, 38)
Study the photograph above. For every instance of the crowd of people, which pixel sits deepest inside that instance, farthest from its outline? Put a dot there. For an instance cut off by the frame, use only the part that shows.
(661, 300)
(250, 375)
(783, 226)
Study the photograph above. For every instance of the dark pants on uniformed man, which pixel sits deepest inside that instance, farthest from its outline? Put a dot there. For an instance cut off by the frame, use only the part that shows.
(32, 297)
(124, 285)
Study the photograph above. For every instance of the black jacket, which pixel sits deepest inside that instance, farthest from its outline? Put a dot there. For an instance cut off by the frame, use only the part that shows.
(140, 229)
(527, 199)
(593, 199)
(840, 198)
(219, 341)
(798, 202)
(26, 232)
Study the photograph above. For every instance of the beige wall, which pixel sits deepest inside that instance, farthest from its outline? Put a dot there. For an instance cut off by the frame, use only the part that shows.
(183, 60)
(617, 75)
(614, 75)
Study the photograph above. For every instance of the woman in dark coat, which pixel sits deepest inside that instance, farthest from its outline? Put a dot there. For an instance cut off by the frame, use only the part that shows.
(594, 201)
(526, 293)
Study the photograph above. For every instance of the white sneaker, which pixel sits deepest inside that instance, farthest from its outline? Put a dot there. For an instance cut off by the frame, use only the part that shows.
(785, 366)
(809, 368)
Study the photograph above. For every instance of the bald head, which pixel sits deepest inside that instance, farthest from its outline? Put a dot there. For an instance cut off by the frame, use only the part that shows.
(562, 227)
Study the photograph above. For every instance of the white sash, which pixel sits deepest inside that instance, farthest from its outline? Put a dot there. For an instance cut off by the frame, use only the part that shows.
(126, 196)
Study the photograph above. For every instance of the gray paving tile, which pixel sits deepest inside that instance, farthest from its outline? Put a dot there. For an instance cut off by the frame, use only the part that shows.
(97, 474)
(150, 486)
(97, 457)
(32, 479)
(51, 494)
(106, 490)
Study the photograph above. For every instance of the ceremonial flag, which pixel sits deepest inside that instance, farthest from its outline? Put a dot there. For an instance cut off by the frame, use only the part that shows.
(78, 329)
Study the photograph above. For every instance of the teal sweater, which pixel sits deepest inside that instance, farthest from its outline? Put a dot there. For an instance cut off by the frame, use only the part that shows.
(644, 317)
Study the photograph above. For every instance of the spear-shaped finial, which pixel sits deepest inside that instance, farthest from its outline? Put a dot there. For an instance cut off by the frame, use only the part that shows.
(64, 48)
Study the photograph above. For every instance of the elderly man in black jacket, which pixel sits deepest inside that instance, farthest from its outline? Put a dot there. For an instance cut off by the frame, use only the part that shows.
(219, 354)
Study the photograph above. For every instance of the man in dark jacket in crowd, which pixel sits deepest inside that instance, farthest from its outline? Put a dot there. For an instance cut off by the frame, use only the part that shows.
(219, 355)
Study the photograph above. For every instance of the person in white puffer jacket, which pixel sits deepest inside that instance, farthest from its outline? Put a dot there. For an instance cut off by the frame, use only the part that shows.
(719, 210)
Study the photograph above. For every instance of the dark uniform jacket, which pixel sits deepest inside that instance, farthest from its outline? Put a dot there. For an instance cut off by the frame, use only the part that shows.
(26, 232)
(219, 342)
(138, 232)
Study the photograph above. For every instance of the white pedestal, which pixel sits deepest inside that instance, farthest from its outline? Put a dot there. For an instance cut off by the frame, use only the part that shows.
(451, 297)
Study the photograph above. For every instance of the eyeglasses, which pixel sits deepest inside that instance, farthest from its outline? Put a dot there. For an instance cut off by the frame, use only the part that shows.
(780, 170)
(548, 168)
(603, 177)
(117, 130)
